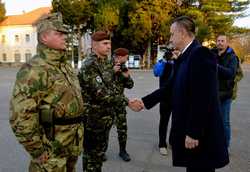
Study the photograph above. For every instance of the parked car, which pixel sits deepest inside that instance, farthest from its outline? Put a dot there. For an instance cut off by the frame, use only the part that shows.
(133, 61)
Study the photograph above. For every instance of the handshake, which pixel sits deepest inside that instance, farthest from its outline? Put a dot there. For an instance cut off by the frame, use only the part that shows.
(136, 104)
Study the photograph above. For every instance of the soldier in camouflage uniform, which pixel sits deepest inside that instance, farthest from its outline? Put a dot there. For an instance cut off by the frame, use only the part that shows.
(122, 80)
(46, 103)
(100, 95)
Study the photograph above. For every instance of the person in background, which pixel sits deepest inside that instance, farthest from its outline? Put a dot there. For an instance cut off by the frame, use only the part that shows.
(227, 67)
(122, 80)
(165, 71)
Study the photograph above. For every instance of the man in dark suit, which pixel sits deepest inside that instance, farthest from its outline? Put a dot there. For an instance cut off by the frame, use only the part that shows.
(197, 136)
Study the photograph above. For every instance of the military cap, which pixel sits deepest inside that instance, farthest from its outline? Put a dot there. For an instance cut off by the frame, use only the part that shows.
(100, 36)
(51, 21)
(121, 52)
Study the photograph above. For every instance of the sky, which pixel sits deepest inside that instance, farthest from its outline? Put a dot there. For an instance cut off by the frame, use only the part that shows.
(14, 7)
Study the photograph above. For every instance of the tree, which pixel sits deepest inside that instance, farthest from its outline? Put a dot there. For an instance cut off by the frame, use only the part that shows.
(241, 45)
(2, 10)
(107, 14)
(77, 14)
(213, 17)
(148, 21)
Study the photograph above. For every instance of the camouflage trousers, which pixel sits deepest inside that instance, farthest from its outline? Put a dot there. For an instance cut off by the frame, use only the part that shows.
(55, 164)
(120, 121)
(95, 142)
(121, 125)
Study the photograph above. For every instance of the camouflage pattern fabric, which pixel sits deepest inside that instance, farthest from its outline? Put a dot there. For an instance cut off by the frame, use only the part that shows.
(47, 83)
(100, 95)
(239, 75)
(120, 109)
(53, 21)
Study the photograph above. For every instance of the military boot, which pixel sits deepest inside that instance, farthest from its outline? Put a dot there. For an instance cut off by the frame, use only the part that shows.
(104, 157)
(123, 153)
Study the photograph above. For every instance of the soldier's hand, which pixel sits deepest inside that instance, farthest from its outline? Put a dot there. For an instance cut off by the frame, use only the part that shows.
(42, 158)
(136, 105)
(117, 67)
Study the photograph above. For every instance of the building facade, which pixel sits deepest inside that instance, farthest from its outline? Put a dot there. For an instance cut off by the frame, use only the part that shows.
(18, 36)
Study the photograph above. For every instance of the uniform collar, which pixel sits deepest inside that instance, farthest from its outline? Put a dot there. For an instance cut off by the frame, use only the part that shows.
(51, 55)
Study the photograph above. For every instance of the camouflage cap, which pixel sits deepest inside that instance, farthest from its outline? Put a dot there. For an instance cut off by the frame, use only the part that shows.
(51, 21)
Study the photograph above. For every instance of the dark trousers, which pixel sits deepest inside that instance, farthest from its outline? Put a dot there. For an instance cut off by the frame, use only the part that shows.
(190, 169)
(95, 142)
(165, 113)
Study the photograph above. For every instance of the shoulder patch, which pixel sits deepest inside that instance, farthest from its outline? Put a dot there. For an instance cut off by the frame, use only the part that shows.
(98, 79)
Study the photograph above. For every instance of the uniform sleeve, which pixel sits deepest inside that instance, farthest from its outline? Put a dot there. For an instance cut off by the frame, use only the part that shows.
(128, 82)
(94, 86)
(24, 120)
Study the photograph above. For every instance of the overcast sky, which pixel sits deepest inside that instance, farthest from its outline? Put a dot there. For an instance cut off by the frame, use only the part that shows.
(18, 6)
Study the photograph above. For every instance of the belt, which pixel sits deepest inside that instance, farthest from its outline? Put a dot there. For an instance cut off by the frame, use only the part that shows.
(69, 121)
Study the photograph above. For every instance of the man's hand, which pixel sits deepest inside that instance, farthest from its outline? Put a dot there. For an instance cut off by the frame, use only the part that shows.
(136, 105)
(42, 158)
(191, 143)
(117, 67)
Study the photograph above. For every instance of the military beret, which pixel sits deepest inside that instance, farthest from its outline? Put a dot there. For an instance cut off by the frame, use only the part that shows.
(51, 21)
(100, 36)
(121, 52)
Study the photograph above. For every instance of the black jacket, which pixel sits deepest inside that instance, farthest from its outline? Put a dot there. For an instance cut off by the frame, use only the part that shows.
(227, 65)
(195, 110)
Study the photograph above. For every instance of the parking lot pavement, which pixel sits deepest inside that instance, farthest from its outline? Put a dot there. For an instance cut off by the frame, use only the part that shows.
(142, 132)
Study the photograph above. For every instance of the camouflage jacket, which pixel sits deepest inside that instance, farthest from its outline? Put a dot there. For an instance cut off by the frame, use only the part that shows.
(98, 87)
(47, 84)
(122, 82)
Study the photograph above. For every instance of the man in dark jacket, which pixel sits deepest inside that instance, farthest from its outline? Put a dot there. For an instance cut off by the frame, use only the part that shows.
(227, 65)
(197, 134)
(164, 70)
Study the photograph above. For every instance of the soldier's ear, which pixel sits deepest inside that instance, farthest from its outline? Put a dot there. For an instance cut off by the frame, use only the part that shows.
(43, 37)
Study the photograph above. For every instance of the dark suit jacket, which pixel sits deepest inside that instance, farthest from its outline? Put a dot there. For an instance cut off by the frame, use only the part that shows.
(195, 110)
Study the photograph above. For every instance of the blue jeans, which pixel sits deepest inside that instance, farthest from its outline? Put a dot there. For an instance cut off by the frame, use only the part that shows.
(226, 108)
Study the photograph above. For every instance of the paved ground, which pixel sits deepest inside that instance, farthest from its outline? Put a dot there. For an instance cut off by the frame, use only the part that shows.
(142, 133)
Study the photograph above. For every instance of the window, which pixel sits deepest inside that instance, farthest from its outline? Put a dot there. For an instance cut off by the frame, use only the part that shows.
(17, 56)
(16, 38)
(3, 40)
(27, 37)
(27, 55)
(4, 57)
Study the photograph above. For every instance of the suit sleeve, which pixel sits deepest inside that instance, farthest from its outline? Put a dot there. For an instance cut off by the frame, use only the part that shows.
(24, 120)
(202, 86)
(155, 97)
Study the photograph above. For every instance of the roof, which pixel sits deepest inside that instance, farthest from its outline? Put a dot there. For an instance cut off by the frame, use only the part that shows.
(29, 18)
